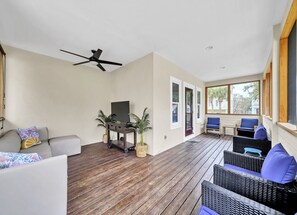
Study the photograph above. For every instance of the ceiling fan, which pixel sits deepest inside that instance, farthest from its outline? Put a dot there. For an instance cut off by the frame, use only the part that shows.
(94, 57)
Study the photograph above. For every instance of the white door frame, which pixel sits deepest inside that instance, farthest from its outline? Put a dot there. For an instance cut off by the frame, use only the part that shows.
(192, 87)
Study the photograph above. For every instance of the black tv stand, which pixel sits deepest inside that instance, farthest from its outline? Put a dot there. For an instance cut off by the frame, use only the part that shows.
(121, 128)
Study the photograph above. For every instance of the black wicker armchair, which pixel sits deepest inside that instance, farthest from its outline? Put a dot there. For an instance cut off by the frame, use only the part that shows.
(226, 202)
(281, 197)
(240, 142)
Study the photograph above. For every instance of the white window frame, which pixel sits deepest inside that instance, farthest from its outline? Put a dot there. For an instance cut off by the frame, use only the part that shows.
(174, 125)
(198, 89)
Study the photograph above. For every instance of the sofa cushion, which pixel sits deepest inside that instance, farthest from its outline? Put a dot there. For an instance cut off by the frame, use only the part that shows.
(279, 166)
(242, 170)
(206, 211)
(11, 159)
(260, 133)
(43, 133)
(10, 142)
(213, 126)
(248, 123)
(43, 149)
(29, 136)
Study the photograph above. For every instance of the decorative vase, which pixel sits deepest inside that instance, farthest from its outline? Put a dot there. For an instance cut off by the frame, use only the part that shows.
(104, 138)
(141, 150)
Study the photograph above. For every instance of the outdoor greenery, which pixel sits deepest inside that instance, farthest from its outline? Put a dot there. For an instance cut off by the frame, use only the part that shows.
(141, 124)
(244, 98)
(217, 93)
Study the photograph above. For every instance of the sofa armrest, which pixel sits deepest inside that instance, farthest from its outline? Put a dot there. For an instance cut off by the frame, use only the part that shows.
(243, 161)
(240, 142)
(278, 196)
(224, 201)
(35, 188)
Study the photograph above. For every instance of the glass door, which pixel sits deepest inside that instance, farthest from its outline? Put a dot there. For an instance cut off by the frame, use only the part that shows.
(188, 111)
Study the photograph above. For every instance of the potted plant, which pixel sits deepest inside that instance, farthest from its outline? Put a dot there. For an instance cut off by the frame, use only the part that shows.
(141, 125)
(103, 120)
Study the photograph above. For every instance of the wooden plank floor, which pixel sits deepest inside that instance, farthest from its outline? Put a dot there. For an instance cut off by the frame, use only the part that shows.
(107, 181)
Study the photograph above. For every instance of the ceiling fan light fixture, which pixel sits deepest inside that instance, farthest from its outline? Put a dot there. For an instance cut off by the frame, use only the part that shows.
(208, 48)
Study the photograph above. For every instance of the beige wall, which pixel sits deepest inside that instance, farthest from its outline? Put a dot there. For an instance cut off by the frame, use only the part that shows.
(163, 69)
(134, 82)
(44, 91)
(279, 134)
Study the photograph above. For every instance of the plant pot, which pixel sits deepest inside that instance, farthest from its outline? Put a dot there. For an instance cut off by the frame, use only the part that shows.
(141, 150)
(104, 138)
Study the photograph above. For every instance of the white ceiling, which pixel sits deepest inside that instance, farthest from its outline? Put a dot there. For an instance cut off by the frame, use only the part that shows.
(240, 31)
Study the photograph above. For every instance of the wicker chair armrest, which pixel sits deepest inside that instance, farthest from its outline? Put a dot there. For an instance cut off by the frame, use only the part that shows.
(278, 196)
(224, 201)
(243, 161)
(240, 142)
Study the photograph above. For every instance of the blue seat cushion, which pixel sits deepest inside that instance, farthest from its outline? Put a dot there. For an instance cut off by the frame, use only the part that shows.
(213, 121)
(260, 133)
(279, 166)
(206, 211)
(242, 170)
(213, 126)
(248, 123)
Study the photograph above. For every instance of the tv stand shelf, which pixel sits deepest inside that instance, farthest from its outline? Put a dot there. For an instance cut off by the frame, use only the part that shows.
(121, 143)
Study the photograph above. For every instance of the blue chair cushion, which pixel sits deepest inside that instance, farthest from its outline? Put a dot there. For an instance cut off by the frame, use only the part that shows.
(279, 166)
(213, 126)
(242, 170)
(260, 133)
(206, 211)
(213, 120)
(248, 123)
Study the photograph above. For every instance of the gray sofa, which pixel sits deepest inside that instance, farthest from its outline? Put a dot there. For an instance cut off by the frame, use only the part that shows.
(11, 142)
(35, 188)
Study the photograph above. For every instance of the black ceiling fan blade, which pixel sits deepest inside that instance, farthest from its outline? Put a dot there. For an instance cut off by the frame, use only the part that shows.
(101, 67)
(81, 63)
(97, 53)
(110, 62)
(73, 54)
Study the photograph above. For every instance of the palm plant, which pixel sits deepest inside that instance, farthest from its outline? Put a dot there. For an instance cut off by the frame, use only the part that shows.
(104, 119)
(141, 125)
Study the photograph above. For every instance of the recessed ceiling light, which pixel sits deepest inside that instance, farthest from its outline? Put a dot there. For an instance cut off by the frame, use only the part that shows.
(209, 48)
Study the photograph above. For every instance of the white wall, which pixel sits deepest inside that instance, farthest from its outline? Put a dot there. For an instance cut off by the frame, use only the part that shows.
(45, 91)
(163, 69)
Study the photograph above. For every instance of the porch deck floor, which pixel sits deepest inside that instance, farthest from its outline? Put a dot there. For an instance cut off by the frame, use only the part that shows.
(108, 181)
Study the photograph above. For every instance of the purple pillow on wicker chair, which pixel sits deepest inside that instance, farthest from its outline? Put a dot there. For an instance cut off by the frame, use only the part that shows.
(260, 133)
(279, 166)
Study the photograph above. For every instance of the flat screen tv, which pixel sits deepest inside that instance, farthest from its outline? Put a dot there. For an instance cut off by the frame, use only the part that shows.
(121, 110)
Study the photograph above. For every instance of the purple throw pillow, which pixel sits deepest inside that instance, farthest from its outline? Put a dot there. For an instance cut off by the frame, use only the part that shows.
(279, 166)
(260, 133)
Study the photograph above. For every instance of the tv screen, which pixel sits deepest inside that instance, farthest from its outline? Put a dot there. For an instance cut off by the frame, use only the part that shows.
(121, 110)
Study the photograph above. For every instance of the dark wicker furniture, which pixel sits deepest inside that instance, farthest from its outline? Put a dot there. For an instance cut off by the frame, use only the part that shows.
(226, 202)
(239, 143)
(278, 196)
(247, 127)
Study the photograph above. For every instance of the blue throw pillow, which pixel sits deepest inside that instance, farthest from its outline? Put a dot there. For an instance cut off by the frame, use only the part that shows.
(207, 211)
(279, 166)
(260, 133)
